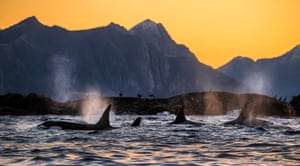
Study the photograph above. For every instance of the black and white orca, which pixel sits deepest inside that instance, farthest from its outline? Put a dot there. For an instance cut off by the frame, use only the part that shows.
(102, 124)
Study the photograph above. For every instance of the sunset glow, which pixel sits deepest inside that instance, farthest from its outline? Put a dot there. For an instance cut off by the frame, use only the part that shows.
(214, 30)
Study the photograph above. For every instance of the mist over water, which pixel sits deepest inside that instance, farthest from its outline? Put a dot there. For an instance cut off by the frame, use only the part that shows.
(62, 73)
(258, 82)
(212, 103)
(93, 106)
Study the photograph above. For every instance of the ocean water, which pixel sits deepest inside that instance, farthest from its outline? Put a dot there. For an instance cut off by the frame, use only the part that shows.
(154, 143)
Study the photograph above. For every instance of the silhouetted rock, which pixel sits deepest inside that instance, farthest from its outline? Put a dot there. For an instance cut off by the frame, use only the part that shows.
(139, 106)
(205, 103)
(33, 104)
(219, 103)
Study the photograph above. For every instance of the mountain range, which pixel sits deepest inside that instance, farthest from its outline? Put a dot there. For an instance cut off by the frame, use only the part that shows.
(278, 76)
(35, 58)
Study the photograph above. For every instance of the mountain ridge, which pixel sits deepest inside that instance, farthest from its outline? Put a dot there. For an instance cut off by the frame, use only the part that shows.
(278, 76)
(110, 59)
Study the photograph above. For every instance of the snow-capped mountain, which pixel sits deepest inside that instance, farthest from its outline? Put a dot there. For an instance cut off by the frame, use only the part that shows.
(276, 76)
(60, 63)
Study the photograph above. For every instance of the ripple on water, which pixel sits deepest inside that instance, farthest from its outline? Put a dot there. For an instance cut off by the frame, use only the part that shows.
(292, 132)
(227, 155)
(262, 145)
(155, 143)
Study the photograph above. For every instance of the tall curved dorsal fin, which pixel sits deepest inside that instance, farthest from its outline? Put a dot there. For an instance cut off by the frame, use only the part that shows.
(180, 117)
(104, 120)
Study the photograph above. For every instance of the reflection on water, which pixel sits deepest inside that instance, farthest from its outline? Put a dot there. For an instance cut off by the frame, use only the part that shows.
(155, 142)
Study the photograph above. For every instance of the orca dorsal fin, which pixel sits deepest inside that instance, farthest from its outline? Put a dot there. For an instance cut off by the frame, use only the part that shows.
(104, 123)
(247, 115)
(247, 112)
(136, 122)
(180, 117)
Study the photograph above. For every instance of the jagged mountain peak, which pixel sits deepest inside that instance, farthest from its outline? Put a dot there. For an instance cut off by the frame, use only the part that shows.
(58, 28)
(155, 34)
(243, 59)
(151, 31)
(146, 25)
(42, 59)
(116, 27)
(30, 21)
(26, 24)
(149, 27)
(237, 60)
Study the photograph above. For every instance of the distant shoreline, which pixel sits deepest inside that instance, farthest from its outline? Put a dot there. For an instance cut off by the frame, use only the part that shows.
(200, 103)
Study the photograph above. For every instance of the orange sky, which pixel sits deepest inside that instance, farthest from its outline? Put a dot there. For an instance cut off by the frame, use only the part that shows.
(215, 30)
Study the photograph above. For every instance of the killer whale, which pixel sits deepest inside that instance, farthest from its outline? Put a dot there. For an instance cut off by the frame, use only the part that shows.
(102, 124)
(247, 117)
(181, 119)
(136, 122)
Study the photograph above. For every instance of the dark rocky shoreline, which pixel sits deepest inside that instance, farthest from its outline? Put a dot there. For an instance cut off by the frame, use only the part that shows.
(204, 103)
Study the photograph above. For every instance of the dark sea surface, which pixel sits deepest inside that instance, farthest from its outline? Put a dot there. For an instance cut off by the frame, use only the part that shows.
(154, 143)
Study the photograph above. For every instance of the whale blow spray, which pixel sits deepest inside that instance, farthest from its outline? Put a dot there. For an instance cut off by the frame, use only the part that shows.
(92, 107)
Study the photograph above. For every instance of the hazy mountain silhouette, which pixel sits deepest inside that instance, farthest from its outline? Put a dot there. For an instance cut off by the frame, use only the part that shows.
(62, 63)
(275, 76)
